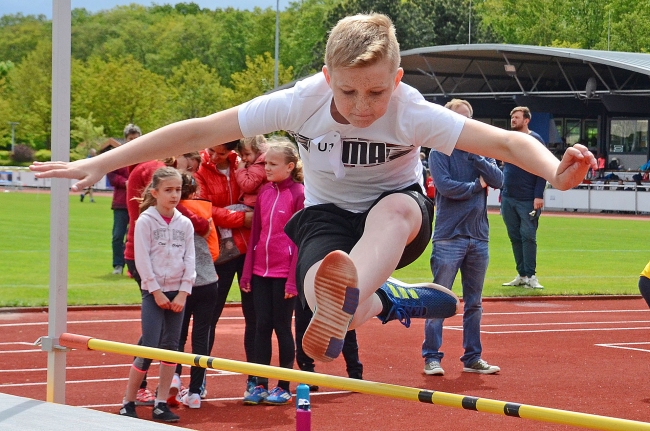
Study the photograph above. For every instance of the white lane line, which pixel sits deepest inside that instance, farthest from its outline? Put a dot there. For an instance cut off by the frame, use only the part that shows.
(521, 313)
(77, 322)
(117, 379)
(564, 323)
(627, 346)
(532, 331)
(209, 371)
(311, 394)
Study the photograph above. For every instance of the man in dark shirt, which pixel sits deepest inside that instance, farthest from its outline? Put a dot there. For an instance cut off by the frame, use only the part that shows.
(522, 199)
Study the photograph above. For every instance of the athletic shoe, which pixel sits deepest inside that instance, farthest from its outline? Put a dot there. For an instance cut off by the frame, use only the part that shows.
(128, 409)
(481, 367)
(424, 300)
(174, 390)
(533, 283)
(258, 395)
(118, 270)
(433, 368)
(337, 298)
(278, 397)
(518, 281)
(250, 387)
(145, 397)
(81, 198)
(162, 413)
(203, 390)
(191, 400)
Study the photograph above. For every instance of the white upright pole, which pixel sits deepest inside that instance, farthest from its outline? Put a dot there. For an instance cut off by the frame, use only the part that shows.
(469, 33)
(59, 205)
(277, 43)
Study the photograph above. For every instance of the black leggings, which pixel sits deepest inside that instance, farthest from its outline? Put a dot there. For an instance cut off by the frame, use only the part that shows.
(226, 272)
(200, 308)
(644, 288)
(273, 313)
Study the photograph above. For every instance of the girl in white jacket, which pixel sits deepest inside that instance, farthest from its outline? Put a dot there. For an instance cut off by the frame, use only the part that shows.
(164, 258)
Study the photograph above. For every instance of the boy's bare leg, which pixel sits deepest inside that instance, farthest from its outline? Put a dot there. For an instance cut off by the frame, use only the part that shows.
(330, 289)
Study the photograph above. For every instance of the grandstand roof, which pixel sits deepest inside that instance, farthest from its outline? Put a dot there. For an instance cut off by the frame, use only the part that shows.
(479, 71)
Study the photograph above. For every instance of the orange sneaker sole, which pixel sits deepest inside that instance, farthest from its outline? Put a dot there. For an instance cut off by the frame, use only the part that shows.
(337, 299)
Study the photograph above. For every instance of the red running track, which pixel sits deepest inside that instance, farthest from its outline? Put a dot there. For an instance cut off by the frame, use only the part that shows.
(585, 355)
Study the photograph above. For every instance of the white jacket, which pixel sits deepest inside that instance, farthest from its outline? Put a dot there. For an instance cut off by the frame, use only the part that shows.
(164, 253)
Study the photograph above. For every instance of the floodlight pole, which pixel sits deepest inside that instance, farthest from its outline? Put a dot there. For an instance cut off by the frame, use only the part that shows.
(59, 201)
(277, 43)
(13, 134)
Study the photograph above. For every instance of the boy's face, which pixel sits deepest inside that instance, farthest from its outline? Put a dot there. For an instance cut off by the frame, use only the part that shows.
(362, 94)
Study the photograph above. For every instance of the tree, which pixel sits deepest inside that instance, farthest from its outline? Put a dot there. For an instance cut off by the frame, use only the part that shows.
(30, 96)
(118, 92)
(19, 35)
(86, 135)
(258, 78)
(195, 91)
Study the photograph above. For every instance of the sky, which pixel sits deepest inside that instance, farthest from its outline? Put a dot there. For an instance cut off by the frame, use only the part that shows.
(37, 7)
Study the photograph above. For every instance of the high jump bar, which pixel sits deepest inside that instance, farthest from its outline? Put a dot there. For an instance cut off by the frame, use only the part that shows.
(565, 417)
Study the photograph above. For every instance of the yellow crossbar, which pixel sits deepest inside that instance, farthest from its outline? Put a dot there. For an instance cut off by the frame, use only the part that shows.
(536, 413)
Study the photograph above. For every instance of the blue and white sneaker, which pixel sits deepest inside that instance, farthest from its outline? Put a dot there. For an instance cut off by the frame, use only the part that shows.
(250, 387)
(423, 300)
(258, 395)
(278, 397)
(337, 298)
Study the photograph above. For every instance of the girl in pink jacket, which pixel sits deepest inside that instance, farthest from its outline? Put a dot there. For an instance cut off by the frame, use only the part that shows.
(270, 266)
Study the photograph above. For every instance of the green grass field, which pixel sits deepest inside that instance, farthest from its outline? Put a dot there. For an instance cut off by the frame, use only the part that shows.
(576, 256)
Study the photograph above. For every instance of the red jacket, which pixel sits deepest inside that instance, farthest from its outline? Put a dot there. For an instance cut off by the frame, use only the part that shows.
(223, 191)
(139, 179)
(250, 179)
(118, 179)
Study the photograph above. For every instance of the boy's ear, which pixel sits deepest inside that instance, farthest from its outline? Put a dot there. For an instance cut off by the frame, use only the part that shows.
(398, 76)
(327, 75)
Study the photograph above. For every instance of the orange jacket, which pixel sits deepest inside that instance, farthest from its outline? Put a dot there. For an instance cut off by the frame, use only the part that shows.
(223, 191)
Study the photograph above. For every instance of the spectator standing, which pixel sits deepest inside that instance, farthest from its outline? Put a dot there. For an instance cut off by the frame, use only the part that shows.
(217, 183)
(164, 256)
(270, 267)
(118, 179)
(89, 190)
(460, 242)
(522, 199)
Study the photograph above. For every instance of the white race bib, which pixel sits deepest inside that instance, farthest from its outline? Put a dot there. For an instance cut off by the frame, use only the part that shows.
(325, 154)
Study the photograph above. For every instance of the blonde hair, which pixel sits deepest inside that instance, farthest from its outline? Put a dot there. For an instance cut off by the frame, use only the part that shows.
(454, 103)
(362, 40)
(524, 110)
(257, 143)
(161, 174)
(289, 150)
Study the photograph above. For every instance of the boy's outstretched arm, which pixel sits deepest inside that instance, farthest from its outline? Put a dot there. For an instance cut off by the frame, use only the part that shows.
(172, 140)
(528, 153)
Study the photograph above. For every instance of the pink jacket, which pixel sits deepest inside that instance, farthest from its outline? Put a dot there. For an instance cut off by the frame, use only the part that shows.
(250, 179)
(274, 254)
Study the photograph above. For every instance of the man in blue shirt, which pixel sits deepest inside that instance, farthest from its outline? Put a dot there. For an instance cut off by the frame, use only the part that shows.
(460, 242)
(522, 199)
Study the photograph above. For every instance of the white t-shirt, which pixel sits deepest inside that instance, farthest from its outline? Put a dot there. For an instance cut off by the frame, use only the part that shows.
(346, 165)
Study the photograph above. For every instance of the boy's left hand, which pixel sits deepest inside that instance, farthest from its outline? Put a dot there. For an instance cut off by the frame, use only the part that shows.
(573, 168)
(178, 304)
(288, 295)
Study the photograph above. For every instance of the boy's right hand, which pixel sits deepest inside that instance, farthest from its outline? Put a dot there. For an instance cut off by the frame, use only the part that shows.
(83, 170)
(161, 299)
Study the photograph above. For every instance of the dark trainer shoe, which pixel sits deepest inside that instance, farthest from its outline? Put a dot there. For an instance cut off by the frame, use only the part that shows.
(423, 300)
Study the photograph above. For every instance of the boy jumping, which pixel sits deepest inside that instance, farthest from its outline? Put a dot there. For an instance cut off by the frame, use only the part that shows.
(359, 130)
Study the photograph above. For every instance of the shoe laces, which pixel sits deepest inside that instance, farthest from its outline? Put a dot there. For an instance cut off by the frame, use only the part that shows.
(403, 312)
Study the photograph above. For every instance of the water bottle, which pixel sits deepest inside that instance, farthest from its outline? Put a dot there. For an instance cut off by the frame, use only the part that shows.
(303, 408)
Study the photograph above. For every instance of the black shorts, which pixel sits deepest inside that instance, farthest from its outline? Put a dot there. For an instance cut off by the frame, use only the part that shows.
(320, 229)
